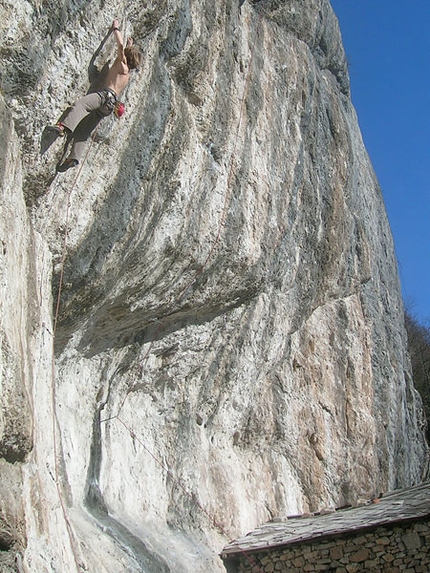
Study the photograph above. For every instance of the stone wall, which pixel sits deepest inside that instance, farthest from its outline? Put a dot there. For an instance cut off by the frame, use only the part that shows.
(403, 548)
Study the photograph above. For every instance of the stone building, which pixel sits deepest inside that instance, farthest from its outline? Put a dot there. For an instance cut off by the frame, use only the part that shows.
(389, 534)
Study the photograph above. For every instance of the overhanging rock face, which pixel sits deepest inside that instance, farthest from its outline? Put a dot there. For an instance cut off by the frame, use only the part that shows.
(229, 336)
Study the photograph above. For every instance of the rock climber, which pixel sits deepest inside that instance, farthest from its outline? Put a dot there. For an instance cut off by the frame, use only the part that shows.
(86, 113)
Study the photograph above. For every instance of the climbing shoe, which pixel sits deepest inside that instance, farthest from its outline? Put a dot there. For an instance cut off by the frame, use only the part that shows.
(58, 128)
(67, 164)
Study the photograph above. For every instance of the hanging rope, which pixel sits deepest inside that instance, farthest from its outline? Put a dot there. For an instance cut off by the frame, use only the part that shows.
(192, 497)
(179, 298)
(55, 325)
(57, 480)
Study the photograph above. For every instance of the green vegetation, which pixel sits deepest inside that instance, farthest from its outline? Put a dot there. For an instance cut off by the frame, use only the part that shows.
(419, 350)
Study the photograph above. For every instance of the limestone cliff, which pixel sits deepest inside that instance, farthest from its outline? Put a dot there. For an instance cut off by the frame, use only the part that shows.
(230, 343)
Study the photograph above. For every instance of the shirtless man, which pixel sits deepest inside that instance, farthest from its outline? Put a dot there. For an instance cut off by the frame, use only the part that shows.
(86, 113)
(118, 75)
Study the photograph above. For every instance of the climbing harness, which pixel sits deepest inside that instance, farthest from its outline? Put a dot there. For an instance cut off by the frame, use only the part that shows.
(109, 101)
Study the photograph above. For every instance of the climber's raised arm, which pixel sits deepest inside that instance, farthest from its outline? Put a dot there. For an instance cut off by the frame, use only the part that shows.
(127, 59)
(119, 41)
(86, 113)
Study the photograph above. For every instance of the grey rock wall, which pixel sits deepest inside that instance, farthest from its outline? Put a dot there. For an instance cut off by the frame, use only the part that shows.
(229, 344)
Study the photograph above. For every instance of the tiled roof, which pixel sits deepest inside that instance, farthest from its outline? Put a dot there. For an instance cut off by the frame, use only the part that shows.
(402, 505)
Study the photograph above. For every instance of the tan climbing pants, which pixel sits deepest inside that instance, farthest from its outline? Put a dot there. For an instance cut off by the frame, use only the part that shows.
(81, 120)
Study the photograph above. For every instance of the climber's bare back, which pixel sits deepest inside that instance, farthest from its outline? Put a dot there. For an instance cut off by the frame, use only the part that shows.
(119, 73)
(117, 76)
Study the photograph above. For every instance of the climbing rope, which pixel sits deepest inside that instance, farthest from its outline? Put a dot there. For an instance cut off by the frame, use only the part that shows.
(56, 476)
(54, 332)
(192, 497)
(179, 298)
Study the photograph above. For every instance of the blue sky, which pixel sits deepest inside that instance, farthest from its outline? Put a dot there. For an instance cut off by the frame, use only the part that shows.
(387, 44)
